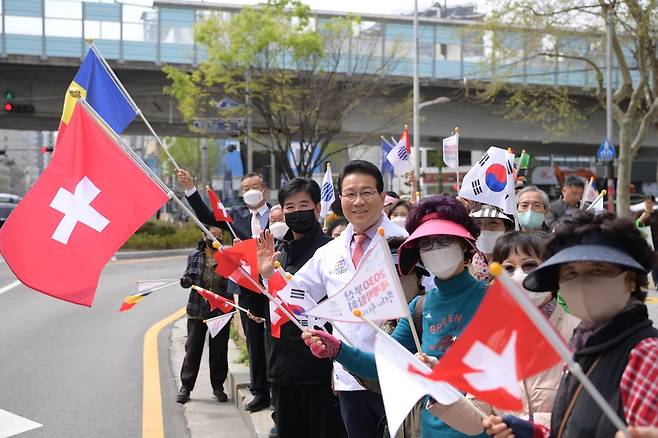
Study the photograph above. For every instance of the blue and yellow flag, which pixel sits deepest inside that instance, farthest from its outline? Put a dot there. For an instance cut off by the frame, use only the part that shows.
(101, 91)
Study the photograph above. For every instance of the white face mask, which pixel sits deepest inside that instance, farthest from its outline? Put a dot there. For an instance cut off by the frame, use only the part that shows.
(278, 229)
(443, 262)
(537, 298)
(595, 299)
(252, 197)
(399, 221)
(487, 240)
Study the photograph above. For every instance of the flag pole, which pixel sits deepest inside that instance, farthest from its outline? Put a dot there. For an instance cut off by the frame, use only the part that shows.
(139, 162)
(90, 41)
(556, 342)
(597, 199)
(208, 188)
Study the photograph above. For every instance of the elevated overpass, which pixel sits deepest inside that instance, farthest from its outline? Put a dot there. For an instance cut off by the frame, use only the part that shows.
(43, 41)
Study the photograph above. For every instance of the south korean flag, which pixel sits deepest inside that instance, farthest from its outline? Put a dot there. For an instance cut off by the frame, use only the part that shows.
(491, 180)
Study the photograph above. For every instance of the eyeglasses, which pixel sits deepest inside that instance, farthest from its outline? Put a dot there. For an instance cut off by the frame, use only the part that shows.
(366, 195)
(436, 243)
(527, 267)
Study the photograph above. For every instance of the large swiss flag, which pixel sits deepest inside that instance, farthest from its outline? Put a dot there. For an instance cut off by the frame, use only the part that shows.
(495, 352)
(87, 203)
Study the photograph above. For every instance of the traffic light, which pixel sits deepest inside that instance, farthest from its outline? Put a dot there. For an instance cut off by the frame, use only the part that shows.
(45, 149)
(9, 95)
(19, 107)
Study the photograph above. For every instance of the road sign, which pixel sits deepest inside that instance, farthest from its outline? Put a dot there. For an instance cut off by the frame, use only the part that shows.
(606, 151)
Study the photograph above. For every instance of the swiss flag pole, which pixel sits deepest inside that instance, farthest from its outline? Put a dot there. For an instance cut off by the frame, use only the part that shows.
(493, 353)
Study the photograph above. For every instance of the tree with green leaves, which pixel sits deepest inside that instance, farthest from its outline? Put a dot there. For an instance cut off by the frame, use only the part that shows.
(533, 33)
(302, 77)
(187, 153)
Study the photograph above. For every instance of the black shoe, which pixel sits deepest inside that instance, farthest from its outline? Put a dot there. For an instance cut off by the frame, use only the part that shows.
(259, 403)
(183, 396)
(274, 432)
(220, 395)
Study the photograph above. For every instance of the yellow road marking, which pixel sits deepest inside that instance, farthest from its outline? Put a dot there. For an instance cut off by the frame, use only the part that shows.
(651, 300)
(152, 423)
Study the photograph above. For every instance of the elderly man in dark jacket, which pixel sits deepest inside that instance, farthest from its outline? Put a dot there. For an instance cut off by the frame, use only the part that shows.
(200, 271)
(304, 402)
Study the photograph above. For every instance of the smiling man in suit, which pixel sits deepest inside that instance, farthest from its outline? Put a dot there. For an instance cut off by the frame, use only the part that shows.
(248, 221)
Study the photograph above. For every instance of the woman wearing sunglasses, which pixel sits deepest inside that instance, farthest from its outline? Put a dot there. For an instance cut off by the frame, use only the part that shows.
(443, 239)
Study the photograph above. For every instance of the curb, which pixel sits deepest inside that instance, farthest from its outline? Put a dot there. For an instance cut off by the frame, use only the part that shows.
(127, 255)
(199, 419)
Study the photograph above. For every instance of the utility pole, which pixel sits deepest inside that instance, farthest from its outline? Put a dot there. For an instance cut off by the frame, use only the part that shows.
(247, 102)
(415, 153)
(608, 106)
(204, 161)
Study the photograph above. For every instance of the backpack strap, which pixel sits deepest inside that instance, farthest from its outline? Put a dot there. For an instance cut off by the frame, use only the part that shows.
(418, 316)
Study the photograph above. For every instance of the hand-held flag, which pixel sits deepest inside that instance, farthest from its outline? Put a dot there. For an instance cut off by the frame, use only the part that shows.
(375, 289)
(238, 263)
(216, 324)
(90, 199)
(493, 354)
(295, 299)
(451, 151)
(216, 301)
(491, 180)
(218, 209)
(399, 157)
(401, 387)
(327, 192)
(144, 288)
(97, 86)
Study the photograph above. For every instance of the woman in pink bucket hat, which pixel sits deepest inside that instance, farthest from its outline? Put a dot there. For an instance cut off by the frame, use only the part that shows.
(442, 237)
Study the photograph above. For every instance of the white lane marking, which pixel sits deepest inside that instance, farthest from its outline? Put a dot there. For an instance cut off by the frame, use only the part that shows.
(9, 287)
(12, 424)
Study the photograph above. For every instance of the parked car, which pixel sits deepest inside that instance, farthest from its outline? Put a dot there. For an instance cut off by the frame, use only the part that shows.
(5, 209)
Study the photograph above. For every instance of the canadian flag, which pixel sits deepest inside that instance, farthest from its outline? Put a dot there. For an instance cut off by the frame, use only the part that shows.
(216, 301)
(494, 353)
(239, 263)
(86, 204)
(221, 215)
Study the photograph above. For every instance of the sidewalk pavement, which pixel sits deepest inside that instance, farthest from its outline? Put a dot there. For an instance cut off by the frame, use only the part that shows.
(204, 416)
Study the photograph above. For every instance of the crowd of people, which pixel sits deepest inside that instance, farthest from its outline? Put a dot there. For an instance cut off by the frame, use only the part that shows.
(587, 272)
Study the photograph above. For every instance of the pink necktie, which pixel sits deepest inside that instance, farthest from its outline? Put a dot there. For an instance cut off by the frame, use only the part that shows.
(255, 224)
(357, 255)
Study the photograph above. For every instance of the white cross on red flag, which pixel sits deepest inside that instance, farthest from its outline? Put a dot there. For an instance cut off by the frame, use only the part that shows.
(218, 209)
(493, 353)
(238, 263)
(90, 199)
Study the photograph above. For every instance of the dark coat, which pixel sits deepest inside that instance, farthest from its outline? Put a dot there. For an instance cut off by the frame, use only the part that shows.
(290, 362)
(197, 306)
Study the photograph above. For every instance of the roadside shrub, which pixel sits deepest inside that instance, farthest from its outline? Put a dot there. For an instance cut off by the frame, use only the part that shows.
(163, 235)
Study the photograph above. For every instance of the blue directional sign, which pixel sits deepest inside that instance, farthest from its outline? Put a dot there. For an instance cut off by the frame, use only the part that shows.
(606, 151)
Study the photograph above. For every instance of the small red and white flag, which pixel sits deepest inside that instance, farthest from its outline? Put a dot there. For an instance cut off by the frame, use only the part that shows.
(218, 209)
(216, 324)
(216, 301)
(493, 354)
(144, 288)
(239, 263)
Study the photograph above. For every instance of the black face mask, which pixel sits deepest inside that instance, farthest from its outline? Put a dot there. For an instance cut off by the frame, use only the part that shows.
(301, 221)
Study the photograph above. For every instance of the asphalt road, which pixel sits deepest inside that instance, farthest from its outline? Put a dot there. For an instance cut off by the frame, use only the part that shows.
(79, 371)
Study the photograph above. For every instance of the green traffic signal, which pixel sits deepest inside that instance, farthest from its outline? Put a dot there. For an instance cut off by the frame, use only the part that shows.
(9, 94)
